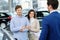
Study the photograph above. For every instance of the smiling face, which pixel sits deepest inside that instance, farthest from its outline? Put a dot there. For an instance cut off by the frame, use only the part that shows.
(19, 11)
(31, 14)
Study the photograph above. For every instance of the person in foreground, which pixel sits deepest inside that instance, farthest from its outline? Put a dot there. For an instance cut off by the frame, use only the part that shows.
(51, 23)
(19, 24)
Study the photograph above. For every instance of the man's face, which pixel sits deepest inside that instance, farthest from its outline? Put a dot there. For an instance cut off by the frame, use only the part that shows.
(19, 11)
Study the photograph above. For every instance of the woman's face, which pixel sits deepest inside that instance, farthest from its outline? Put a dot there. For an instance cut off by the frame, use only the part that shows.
(31, 14)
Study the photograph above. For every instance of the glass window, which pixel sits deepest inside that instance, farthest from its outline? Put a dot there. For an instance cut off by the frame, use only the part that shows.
(40, 14)
(3, 4)
(2, 14)
(45, 13)
(26, 4)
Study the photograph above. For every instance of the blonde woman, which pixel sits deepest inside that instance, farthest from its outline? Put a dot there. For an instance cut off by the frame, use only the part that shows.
(34, 23)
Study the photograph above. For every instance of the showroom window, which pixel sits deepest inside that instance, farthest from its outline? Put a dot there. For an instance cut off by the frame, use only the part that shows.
(3, 4)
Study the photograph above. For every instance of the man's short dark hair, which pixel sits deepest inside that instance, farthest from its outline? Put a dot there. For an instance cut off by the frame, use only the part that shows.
(53, 3)
(18, 6)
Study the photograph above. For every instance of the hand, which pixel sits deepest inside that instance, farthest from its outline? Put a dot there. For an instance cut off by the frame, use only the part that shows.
(22, 29)
(28, 27)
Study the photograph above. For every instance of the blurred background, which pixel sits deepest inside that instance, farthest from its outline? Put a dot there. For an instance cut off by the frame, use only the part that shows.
(7, 12)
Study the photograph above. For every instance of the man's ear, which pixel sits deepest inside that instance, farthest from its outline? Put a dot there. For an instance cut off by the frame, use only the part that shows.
(50, 6)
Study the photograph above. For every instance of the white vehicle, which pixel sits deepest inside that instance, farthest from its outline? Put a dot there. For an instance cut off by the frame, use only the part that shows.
(41, 15)
(5, 35)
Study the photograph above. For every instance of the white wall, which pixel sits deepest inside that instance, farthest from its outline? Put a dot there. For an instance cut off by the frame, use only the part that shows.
(42, 4)
(26, 4)
(59, 5)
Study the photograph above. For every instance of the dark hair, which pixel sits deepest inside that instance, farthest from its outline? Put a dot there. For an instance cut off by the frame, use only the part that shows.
(30, 12)
(18, 6)
(53, 3)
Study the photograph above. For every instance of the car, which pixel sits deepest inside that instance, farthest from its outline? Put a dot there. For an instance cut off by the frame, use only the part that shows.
(41, 15)
(5, 35)
(4, 18)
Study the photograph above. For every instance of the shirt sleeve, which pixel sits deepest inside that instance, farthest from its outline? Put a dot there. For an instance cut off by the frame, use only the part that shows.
(27, 24)
(44, 32)
(12, 27)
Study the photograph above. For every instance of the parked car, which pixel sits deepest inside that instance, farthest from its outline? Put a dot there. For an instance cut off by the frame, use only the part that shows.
(4, 19)
(5, 35)
(41, 15)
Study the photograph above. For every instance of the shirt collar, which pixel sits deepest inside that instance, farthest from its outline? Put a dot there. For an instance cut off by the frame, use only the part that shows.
(19, 16)
(53, 11)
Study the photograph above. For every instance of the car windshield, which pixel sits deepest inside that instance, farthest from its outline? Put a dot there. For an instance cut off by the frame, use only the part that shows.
(45, 13)
(42, 13)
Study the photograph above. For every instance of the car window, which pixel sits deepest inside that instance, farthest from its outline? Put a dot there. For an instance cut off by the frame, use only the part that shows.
(40, 14)
(45, 13)
(2, 14)
(9, 14)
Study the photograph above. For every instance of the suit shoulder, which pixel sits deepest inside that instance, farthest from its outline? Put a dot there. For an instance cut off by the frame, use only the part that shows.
(47, 18)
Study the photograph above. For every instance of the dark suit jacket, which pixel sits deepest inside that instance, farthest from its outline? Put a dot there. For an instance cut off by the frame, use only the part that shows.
(51, 27)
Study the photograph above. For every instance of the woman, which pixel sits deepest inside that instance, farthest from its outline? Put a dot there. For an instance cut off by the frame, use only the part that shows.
(34, 23)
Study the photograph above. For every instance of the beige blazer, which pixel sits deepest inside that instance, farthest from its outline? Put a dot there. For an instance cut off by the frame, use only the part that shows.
(35, 27)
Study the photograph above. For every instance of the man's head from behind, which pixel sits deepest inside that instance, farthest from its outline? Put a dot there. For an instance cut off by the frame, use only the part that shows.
(52, 4)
